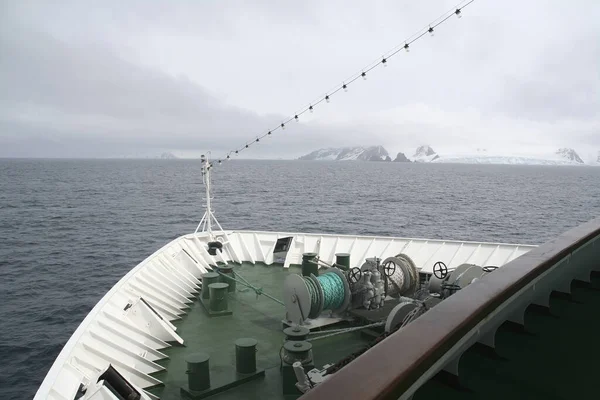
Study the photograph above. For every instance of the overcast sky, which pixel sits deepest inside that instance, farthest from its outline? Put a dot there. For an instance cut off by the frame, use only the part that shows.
(115, 78)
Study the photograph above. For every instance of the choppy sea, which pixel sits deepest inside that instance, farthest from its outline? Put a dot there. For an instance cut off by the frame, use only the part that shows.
(70, 229)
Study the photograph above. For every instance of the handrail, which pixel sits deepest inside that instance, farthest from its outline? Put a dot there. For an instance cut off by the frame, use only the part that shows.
(393, 366)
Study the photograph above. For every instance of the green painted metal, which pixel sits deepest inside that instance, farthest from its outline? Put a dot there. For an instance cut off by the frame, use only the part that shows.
(256, 317)
(297, 351)
(218, 296)
(227, 272)
(296, 333)
(554, 358)
(245, 355)
(294, 351)
(343, 260)
(198, 371)
(308, 266)
(207, 279)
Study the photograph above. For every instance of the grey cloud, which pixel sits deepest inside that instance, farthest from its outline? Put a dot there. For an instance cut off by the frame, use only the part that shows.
(98, 80)
(70, 94)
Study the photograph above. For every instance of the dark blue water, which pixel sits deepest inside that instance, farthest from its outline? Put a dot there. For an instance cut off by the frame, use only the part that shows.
(70, 229)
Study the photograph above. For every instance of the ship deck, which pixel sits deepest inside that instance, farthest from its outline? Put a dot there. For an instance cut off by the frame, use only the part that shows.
(252, 316)
(131, 326)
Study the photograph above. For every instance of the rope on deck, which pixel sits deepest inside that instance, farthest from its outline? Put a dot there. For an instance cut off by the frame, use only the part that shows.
(335, 332)
(244, 282)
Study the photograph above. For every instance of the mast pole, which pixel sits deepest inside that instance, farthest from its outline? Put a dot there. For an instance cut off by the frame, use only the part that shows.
(209, 213)
(206, 221)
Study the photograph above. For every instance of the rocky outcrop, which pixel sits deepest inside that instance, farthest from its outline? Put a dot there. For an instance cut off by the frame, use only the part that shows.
(401, 158)
(372, 153)
(570, 155)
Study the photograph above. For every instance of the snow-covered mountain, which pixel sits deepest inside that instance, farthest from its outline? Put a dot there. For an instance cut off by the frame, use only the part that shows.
(372, 153)
(167, 156)
(563, 156)
(570, 155)
(425, 154)
(322, 154)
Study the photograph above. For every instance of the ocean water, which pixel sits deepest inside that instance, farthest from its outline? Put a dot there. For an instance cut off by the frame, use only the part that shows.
(70, 229)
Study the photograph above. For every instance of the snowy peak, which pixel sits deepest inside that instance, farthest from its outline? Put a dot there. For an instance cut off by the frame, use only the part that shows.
(425, 154)
(424, 151)
(569, 154)
(372, 153)
(322, 154)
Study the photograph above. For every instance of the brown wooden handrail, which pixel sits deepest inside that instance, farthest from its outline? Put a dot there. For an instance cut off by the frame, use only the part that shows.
(391, 367)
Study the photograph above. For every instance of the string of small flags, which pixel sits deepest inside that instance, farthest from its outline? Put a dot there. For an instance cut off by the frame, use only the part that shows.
(406, 46)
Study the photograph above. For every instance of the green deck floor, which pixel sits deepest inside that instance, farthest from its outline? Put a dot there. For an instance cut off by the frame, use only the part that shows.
(259, 318)
(553, 357)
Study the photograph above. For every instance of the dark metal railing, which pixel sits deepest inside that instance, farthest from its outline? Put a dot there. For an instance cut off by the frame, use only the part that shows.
(394, 366)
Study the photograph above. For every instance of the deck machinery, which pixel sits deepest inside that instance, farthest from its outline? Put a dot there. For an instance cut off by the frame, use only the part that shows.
(378, 298)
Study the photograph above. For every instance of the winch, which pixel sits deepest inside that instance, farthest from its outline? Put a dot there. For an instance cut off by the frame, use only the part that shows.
(445, 282)
(308, 296)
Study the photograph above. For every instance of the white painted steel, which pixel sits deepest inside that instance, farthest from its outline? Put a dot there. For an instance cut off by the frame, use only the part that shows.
(132, 322)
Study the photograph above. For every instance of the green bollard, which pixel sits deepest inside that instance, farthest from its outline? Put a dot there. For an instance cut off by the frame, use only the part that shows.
(218, 297)
(207, 279)
(309, 267)
(296, 333)
(245, 355)
(226, 272)
(343, 260)
(198, 371)
(294, 351)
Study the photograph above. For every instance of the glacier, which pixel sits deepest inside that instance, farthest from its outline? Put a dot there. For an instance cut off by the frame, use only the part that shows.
(562, 156)
(511, 160)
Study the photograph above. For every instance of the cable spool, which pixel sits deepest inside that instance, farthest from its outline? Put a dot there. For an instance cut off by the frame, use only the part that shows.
(455, 279)
(308, 296)
(397, 315)
(402, 275)
(464, 274)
